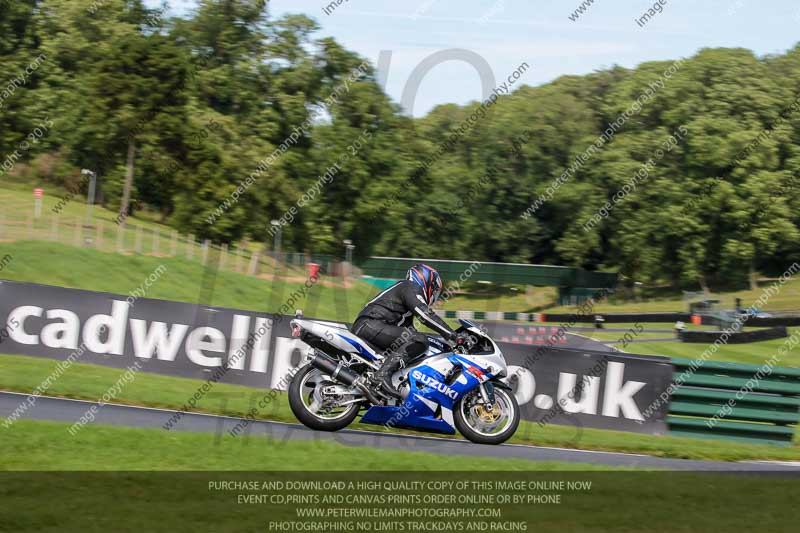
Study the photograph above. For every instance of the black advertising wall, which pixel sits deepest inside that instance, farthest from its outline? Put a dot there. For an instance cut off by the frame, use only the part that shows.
(596, 389)
(616, 317)
(166, 337)
(587, 388)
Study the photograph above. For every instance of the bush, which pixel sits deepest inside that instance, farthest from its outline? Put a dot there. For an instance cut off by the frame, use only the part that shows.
(52, 167)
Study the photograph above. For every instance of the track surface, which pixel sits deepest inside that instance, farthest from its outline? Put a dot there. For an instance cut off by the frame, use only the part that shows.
(68, 410)
(541, 335)
(517, 333)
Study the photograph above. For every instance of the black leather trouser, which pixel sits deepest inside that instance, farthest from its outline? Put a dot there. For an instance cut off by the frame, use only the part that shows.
(408, 343)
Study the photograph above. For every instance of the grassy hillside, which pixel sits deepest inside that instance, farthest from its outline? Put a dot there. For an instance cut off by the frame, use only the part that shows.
(16, 199)
(184, 280)
(65, 219)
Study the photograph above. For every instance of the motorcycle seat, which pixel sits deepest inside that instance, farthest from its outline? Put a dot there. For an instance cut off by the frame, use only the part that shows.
(376, 349)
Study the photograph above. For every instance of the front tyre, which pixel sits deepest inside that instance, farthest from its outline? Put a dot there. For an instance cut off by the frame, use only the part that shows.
(312, 408)
(483, 426)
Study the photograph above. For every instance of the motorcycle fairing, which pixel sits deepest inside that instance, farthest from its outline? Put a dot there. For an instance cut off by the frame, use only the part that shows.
(430, 399)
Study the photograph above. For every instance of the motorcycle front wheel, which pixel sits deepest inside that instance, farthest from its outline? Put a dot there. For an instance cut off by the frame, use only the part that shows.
(483, 426)
(312, 408)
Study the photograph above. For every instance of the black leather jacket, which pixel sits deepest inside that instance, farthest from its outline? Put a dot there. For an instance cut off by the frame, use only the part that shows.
(400, 303)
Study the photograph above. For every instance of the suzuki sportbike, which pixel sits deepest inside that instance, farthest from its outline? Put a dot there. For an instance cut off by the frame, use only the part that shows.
(447, 388)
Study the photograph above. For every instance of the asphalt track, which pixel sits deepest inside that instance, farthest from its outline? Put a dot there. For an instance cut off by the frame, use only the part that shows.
(279, 433)
(528, 334)
(538, 335)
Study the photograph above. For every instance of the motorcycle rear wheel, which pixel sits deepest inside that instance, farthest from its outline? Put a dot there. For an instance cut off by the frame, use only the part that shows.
(306, 407)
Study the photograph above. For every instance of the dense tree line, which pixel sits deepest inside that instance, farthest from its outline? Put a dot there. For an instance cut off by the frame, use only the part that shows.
(175, 114)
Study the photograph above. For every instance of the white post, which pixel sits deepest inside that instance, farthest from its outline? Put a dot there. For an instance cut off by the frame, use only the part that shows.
(78, 231)
(120, 238)
(190, 246)
(205, 251)
(223, 255)
(238, 256)
(155, 241)
(99, 242)
(54, 228)
(174, 250)
(251, 270)
(138, 242)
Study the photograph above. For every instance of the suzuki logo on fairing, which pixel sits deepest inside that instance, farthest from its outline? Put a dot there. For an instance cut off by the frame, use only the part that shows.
(438, 385)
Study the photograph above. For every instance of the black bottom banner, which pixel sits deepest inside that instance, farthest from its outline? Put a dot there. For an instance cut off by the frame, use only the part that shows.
(395, 501)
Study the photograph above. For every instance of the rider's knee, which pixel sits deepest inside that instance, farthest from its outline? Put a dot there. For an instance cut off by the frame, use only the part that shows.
(417, 344)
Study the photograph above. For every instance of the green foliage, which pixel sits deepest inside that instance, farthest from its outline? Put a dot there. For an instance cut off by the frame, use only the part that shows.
(235, 115)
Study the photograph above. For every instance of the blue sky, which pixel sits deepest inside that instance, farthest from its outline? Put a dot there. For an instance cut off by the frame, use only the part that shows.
(507, 32)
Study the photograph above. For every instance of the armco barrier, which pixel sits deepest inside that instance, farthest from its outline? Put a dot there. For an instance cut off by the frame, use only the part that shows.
(766, 415)
(615, 317)
(787, 321)
(734, 337)
(756, 322)
(566, 317)
(612, 318)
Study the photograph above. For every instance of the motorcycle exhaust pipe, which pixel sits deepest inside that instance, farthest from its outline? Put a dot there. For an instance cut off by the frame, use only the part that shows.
(334, 369)
(341, 373)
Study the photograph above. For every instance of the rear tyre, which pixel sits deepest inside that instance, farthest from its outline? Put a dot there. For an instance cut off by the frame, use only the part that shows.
(308, 404)
(481, 426)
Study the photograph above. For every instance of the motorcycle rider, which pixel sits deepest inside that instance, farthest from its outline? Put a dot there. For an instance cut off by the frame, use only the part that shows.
(387, 321)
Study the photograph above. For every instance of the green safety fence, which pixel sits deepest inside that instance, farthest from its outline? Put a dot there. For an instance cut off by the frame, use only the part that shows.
(735, 401)
(381, 283)
(501, 273)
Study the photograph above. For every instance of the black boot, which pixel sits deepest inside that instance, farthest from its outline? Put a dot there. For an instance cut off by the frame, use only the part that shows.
(384, 375)
(364, 387)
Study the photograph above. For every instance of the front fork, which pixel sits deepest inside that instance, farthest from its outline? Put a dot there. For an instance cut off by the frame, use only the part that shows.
(487, 394)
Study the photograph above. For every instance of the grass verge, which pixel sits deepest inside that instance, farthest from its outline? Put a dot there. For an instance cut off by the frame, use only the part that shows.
(41, 445)
(755, 353)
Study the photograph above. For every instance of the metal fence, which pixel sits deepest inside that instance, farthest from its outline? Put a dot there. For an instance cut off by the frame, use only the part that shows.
(153, 240)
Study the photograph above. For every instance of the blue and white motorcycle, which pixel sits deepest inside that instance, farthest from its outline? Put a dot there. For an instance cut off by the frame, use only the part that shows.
(444, 389)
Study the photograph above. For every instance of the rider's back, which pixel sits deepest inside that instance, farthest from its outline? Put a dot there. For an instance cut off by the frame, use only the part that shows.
(392, 305)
